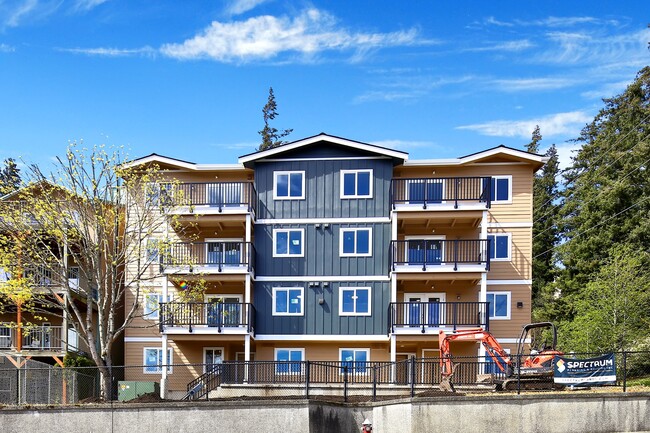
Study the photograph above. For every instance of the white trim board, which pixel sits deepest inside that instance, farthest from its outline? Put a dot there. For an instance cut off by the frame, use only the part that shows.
(143, 339)
(312, 337)
(324, 220)
(509, 282)
(362, 158)
(328, 278)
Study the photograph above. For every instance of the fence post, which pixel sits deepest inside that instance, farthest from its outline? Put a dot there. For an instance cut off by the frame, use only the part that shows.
(345, 383)
(307, 371)
(374, 383)
(624, 371)
(412, 362)
(518, 374)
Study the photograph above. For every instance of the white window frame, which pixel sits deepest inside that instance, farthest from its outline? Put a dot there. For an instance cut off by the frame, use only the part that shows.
(354, 350)
(355, 312)
(205, 349)
(152, 193)
(508, 306)
(302, 242)
(170, 363)
(290, 349)
(148, 251)
(302, 301)
(493, 200)
(342, 232)
(356, 183)
(501, 259)
(288, 174)
(153, 314)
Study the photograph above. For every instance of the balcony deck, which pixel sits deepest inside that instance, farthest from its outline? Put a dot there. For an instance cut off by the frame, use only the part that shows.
(207, 318)
(36, 340)
(211, 198)
(440, 194)
(208, 258)
(417, 318)
(440, 256)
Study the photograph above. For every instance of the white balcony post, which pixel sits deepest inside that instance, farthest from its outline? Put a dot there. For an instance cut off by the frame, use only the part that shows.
(165, 361)
(247, 355)
(393, 356)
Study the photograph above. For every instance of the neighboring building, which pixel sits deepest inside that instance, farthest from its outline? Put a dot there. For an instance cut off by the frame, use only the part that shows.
(328, 249)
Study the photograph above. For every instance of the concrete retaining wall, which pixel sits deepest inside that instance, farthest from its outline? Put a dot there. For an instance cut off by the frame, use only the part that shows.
(546, 413)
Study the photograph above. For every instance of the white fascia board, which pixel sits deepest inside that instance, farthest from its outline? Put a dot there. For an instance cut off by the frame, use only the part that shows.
(162, 159)
(480, 155)
(212, 167)
(323, 137)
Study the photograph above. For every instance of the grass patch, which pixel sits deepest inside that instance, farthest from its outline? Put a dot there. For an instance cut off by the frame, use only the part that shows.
(639, 381)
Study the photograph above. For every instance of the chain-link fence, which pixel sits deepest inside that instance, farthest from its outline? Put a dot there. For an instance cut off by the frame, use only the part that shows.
(31, 382)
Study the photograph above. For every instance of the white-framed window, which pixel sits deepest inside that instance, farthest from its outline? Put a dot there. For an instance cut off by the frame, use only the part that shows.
(500, 247)
(288, 301)
(499, 305)
(356, 183)
(152, 304)
(288, 185)
(152, 360)
(355, 242)
(289, 360)
(354, 359)
(288, 242)
(152, 249)
(501, 189)
(152, 193)
(354, 301)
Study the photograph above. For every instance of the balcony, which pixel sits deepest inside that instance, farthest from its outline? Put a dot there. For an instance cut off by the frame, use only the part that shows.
(439, 255)
(209, 258)
(212, 198)
(35, 338)
(428, 317)
(440, 193)
(207, 317)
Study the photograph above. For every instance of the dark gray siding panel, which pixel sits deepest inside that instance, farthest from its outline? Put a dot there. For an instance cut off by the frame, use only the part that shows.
(321, 246)
(322, 190)
(322, 319)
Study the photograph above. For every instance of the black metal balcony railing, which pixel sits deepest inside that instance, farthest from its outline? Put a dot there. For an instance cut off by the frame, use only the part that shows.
(425, 315)
(218, 315)
(220, 255)
(34, 338)
(428, 253)
(434, 191)
(215, 194)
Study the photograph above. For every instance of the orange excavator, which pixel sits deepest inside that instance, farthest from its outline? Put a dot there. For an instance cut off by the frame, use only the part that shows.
(532, 371)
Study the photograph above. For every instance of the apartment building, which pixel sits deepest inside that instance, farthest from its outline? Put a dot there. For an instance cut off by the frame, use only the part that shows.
(329, 249)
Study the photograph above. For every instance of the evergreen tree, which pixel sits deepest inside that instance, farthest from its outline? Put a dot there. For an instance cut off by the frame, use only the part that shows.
(9, 177)
(533, 146)
(271, 137)
(545, 226)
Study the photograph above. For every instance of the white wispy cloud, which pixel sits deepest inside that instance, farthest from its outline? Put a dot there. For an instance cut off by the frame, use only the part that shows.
(15, 15)
(607, 90)
(533, 84)
(559, 124)
(508, 46)
(564, 153)
(265, 37)
(4, 48)
(111, 52)
(237, 7)
(408, 85)
(86, 5)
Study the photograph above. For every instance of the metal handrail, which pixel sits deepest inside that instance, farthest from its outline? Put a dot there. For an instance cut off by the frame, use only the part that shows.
(432, 252)
(432, 191)
(219, 315)
(425, 315)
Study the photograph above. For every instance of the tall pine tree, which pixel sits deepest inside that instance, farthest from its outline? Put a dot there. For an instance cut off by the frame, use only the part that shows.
(271, 137)
(545, 228)
(9, 177)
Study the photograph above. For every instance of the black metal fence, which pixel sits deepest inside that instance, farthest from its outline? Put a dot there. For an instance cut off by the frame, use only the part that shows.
(218, 315)
(406, 316)
(426, 254)
(220, 195)
(340, 380)
(430, 192)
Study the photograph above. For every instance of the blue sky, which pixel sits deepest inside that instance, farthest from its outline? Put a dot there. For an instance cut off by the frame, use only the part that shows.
(188, 79)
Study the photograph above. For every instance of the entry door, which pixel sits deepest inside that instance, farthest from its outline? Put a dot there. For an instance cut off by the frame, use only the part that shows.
(224, 194)
(212, 358)
(424, 251)
(224, 310)
(425, 309)
(425, 190)
(224, 253)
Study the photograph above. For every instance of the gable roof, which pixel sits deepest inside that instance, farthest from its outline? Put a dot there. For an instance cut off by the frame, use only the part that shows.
(255, 156)
(515, 155)
(179, 163)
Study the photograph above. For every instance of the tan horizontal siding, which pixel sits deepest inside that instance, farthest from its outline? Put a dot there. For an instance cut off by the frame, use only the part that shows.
(520, 265)
(518, 316)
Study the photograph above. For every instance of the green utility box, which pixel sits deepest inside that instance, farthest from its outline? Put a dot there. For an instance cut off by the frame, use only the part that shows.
(129, 389)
